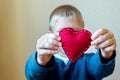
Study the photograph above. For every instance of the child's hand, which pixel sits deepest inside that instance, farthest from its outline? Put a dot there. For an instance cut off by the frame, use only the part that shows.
(46, 46)
(105, 40)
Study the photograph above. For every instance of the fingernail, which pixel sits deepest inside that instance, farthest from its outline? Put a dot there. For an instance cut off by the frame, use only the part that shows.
(92, 37)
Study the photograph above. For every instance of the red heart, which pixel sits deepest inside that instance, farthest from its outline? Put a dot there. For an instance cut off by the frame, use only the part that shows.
(75, 43)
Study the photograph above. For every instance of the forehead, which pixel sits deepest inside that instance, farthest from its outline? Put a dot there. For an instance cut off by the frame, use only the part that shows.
(64, 22)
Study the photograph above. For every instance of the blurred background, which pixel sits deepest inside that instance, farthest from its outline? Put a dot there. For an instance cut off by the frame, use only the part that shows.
(22, 22)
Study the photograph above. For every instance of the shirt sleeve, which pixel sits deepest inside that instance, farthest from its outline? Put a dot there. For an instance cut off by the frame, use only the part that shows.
(34, 71)
(99, 67)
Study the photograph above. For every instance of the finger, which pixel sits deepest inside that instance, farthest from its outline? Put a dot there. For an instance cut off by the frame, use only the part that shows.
(107, 43)
(46, 51)
(109, 48)
(46, 45)
(98, 33)
(55, 37)
(54, 42)
(49, 46)
(102, 38)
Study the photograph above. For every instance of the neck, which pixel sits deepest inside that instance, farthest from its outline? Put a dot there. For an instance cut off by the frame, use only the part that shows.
(62, 56)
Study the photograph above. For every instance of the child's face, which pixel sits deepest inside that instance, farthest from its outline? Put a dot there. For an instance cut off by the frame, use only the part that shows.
(63, 22)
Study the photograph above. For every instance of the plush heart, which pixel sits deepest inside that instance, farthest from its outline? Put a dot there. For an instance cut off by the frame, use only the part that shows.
(75, 43)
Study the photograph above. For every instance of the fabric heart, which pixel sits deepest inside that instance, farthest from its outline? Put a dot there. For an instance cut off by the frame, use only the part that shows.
(75, 43)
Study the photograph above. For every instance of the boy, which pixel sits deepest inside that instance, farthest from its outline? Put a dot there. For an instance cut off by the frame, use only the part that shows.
(49, 62)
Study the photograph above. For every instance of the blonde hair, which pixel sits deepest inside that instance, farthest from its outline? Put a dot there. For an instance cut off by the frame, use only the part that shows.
(68, 11)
